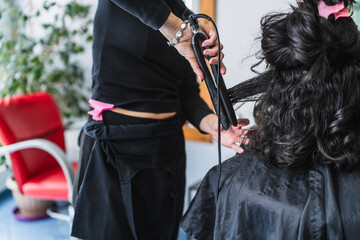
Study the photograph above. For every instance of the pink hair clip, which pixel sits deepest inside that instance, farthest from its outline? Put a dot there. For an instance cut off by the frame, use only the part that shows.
(99, 107)
(339, 10)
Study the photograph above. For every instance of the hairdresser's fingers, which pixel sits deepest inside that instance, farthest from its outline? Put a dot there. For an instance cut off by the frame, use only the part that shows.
(210, 32)
(243, 132)
(237, 149)
(214, 46)
(243, 121)
(243, 140)
(212, 52)
(196, 68)
(212, 41)
(242, 135)
(215, 60)
(222, 66)
(212, 37)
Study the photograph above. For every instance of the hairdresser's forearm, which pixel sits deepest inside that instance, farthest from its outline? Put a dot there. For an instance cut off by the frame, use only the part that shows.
(231, 137)
(184, 46)
(172, 25)
(207, 124)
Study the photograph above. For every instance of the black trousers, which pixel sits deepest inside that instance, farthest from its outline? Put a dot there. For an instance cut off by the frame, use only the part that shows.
(130, 182)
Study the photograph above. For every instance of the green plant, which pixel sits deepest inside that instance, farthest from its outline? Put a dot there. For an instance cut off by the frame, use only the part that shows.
(2, 160)
(40, 55)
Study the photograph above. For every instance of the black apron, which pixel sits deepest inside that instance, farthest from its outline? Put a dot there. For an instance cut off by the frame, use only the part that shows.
(131, 186)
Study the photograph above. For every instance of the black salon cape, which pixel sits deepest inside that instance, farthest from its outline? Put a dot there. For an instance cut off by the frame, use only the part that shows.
(257, 201)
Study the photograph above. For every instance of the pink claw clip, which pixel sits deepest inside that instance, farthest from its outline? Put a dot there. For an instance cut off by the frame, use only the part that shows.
(339, 10)
(99, 107)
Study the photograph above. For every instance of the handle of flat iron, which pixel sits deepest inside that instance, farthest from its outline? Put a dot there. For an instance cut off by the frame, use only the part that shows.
(197, 40)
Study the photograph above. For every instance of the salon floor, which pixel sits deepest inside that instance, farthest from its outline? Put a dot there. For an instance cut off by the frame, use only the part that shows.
(44, 229)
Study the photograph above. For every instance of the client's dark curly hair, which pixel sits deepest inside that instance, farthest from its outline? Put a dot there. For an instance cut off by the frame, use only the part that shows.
(308, 98)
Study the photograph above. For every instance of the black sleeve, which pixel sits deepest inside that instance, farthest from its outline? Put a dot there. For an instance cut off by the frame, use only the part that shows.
(153, 13)
(193, 106)
(179, 9)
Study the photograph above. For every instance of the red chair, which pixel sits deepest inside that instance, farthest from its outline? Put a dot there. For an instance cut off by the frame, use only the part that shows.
(31, 131)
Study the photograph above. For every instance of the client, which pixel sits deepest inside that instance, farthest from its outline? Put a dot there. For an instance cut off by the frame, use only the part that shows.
(299, 177)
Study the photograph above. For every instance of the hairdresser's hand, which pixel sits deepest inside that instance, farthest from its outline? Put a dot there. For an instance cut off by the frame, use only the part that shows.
(213, 51)
(184, 47)
(230, 138)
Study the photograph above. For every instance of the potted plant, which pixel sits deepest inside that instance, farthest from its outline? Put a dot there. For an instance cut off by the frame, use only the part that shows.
(27, 208)
(38, 50)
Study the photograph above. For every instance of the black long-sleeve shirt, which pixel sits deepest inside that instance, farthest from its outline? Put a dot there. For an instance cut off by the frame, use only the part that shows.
(134, 68)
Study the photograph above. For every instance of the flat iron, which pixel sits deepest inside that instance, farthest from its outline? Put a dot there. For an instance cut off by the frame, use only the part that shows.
(214, 81)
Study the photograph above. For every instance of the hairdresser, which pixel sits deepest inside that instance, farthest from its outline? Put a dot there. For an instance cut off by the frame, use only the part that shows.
(131, 179)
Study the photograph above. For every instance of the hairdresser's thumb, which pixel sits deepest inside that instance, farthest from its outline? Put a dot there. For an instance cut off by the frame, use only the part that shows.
(196, 68)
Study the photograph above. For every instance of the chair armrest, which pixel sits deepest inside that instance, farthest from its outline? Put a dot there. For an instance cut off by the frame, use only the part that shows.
(51, 148)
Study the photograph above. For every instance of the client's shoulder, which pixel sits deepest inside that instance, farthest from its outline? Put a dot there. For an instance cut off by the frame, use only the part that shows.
(245, 159)
(251, 168)
(243, 163)
(239, 162)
